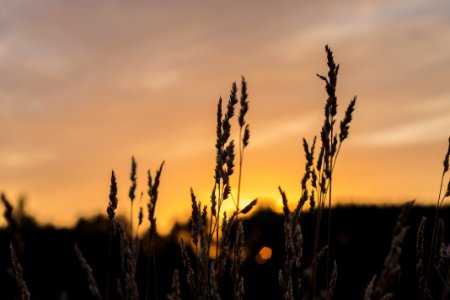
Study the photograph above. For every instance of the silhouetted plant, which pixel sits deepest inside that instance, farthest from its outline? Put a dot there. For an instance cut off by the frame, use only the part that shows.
(218, 236)
(220, 231)
(382, 287)
(126, 285)
(316, 187)
(441, 262)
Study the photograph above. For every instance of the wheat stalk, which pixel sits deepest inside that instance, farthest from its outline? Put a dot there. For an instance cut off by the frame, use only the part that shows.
(18, 275)
(153, 185)
(132, 191)
(316, 184)
(92, 283)
(176, 290)
(111, 211)
(391, 272)
(440, 201)
(423, 287)
(216, 228)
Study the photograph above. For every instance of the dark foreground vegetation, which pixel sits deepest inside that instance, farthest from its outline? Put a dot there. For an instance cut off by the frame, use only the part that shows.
(310, 251)
(361, 239)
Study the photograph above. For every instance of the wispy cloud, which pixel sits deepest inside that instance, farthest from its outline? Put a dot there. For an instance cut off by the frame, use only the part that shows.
(23, 160)
(419, 132)
(273, 132)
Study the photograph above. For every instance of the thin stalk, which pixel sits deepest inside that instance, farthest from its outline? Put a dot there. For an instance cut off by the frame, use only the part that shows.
(445, 289)
(217, 227)
(211, 229)
(241, 158)
(329, 211)
(315, 245)
(109, 266)
(148, 277)
(329, 238)
(139, 216)
(154, 275)
(217, 235)
(151, 255)
(314, 264)
(315, 258)
(434, 227)
(197, 269)
(131, 220)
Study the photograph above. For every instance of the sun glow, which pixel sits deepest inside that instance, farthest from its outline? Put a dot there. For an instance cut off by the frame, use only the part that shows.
(263, 255)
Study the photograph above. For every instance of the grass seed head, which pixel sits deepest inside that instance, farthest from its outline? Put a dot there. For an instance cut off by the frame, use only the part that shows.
(243, 102)
(246, 137)
(195, 218)
(112, 206)
(345, 123)
(446, 159)
(140, 216)
(249, 207)
(133, 186)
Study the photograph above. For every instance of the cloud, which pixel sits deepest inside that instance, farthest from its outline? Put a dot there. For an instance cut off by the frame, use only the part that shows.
(151, 80)
(276, 131)
(419, 132)
(23, 159)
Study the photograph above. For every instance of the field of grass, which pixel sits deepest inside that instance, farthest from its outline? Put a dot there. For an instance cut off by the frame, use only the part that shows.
(311, 251)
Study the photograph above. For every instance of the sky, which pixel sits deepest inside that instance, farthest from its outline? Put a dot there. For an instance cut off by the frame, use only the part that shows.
(85, 85)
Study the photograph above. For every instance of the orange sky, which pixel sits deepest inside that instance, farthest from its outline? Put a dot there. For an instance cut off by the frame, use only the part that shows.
(84, 85)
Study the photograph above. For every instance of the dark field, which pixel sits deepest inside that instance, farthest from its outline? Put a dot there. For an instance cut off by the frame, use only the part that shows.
(361, 238)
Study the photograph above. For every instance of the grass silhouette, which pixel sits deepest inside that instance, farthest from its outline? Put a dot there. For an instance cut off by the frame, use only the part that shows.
(213, 256)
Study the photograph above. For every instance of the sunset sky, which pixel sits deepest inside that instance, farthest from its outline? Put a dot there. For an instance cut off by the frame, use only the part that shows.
(84, 85)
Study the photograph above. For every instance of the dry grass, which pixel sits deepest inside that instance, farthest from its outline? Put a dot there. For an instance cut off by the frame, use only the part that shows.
(18, 275)
(423, 288)
(436, 242)
(210, 227)
(316, 187)
(92, 283)
(126, 286)
(391, 273)
(218, 238)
